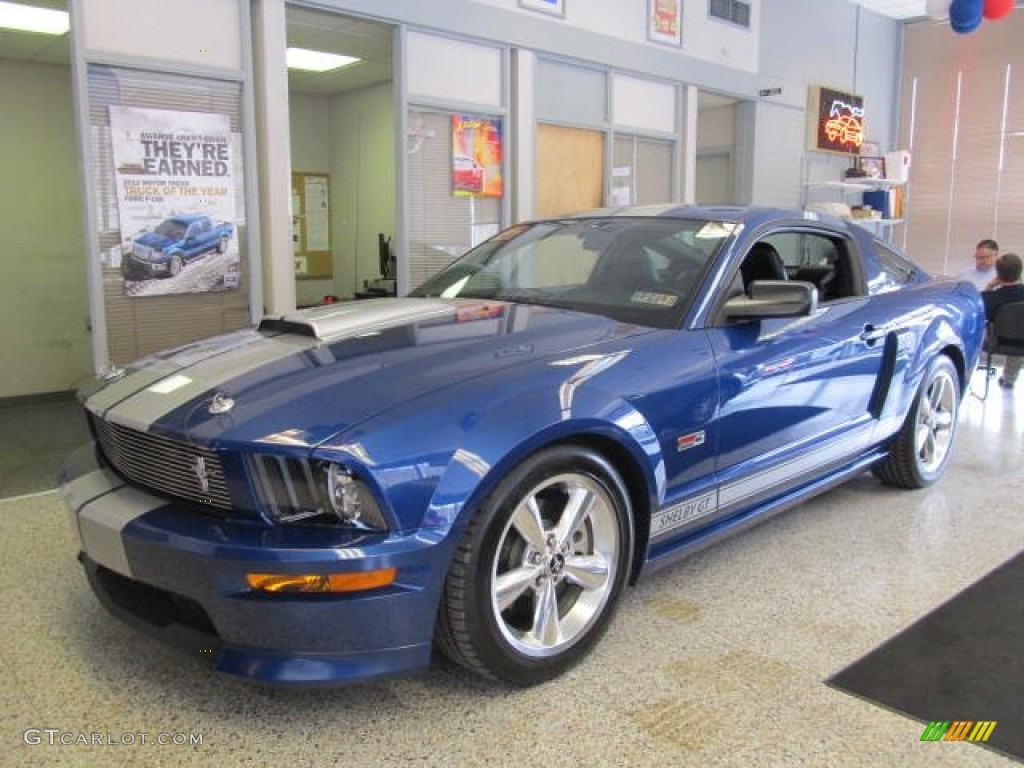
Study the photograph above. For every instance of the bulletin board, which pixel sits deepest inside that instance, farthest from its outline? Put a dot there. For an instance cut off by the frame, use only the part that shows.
(311, 225)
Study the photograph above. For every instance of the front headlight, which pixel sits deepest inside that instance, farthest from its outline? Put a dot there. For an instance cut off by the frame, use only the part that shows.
(292, 490)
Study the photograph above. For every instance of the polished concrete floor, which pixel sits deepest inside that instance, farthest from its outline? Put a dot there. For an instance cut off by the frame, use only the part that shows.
(718, 661)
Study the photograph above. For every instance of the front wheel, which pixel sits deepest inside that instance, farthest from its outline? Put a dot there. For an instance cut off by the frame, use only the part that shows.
(922, 448)
(176, 265)
(536, 576)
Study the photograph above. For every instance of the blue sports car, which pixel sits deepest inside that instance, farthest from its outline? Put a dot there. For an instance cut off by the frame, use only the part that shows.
(482, 466)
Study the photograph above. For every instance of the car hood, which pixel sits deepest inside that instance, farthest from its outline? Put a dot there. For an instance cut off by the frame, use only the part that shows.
(301, 379)
(154, 240)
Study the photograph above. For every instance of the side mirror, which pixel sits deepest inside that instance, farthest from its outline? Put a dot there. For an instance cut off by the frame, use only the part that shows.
(774, 298)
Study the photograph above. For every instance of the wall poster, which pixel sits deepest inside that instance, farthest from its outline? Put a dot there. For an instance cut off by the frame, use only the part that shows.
(663, 21)
(176, 201)
(476, 156)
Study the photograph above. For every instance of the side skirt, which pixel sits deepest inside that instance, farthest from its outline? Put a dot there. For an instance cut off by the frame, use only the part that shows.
(660, 556)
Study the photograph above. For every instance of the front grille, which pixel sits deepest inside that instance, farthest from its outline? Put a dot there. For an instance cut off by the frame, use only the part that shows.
(165, 465)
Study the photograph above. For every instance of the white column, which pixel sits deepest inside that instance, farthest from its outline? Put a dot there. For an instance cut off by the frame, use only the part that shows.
(690, 144)
(273, 143)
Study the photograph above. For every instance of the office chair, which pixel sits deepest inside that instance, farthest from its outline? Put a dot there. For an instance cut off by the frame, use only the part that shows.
(1003, 336)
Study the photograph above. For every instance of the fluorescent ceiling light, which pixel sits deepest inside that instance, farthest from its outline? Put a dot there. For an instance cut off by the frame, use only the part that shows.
(317, 61)
(28, 18)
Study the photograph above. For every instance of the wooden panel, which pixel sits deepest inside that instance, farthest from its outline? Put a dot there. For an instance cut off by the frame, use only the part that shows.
(570, 170)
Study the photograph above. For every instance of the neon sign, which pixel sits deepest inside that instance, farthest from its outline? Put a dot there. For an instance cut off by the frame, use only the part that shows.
(838, 120)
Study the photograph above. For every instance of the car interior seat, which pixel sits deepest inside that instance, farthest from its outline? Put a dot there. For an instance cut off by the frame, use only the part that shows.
(762, 263)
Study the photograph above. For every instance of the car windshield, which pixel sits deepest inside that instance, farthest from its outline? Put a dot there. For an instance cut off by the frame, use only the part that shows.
(637, 270)
(172, 229)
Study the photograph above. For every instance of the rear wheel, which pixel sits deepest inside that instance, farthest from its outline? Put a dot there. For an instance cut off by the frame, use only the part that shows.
(922, 447)
(537, 573)
(222, 245)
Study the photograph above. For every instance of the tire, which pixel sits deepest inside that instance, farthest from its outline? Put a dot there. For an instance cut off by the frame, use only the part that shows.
(923, 445)
(526, 597)
(222, 246)
(176, 265)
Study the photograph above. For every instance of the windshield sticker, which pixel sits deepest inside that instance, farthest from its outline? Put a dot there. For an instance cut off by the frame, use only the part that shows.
(657, 299)
(715, 230)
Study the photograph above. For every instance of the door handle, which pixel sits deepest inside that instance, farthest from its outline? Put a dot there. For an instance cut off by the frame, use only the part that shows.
(872, 334)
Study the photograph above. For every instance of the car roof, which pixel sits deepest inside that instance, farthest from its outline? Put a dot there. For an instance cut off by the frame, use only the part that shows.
(752, 214)
(188, 218)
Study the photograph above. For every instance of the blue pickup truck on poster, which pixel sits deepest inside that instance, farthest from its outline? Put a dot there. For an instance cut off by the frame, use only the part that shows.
(177, 240)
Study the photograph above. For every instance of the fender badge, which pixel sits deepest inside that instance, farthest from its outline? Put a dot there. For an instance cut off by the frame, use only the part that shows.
(692, 440)
(221, 403)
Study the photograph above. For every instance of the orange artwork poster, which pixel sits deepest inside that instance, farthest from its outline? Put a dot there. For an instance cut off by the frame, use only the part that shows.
(476, 157)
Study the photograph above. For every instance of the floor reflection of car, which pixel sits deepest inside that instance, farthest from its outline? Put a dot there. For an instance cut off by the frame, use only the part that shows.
(468, 174)
(483, 466)
(846, 129)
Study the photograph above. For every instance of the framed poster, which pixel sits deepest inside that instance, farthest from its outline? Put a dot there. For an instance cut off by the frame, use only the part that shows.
(664, 23)
(173, 172)
(873, 167)
(553, 7)
(476, 156)
(835, 120)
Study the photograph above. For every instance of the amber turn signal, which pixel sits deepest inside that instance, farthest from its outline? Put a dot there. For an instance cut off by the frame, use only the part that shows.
(318, 582)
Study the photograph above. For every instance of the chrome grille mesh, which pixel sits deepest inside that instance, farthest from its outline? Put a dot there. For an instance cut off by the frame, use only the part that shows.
(162, 464)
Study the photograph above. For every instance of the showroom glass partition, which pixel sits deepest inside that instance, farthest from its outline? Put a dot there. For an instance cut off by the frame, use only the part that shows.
(641, 170)
(456, 148)
(443, 222)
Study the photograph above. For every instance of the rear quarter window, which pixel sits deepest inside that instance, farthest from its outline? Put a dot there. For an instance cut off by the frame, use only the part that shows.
(895, 270)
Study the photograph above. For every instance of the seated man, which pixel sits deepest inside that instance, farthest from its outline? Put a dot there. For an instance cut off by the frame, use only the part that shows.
(1005, 288)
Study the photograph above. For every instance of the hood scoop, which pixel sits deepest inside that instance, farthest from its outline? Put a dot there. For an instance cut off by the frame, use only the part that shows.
(358, 317)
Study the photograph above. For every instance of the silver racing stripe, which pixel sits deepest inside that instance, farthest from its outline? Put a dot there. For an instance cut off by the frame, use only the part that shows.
(153, 402)
(825, 454)
(152, 369)
(140, 399)
(102, 521)
(819, 455)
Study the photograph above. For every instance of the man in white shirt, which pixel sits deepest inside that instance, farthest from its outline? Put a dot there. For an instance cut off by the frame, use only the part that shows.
(984, 269)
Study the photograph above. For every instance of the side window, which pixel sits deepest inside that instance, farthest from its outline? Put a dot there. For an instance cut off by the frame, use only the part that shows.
(895, 270)
(818, 258)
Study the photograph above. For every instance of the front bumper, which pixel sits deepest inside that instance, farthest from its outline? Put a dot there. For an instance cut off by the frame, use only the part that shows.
(180, 574)
(133, 265)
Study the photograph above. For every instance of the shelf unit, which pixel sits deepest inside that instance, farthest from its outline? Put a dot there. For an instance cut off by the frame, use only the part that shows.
(881, 227)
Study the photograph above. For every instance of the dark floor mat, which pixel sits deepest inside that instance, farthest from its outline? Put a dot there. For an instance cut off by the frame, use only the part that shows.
(962, 662)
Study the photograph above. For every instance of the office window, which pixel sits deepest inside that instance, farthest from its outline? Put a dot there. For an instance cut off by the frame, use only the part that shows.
(735, 11)
(443, 224)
